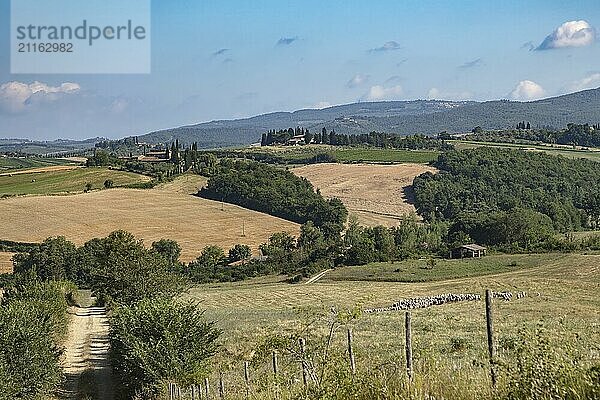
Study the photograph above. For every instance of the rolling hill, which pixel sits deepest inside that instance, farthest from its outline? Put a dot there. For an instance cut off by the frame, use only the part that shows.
(403, 117)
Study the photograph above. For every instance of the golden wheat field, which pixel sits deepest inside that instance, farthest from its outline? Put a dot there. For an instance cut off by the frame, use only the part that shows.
(6, 266)
(376, 194)
(164, 212)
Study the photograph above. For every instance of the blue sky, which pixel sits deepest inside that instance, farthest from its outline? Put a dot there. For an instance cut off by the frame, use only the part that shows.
(231, 59)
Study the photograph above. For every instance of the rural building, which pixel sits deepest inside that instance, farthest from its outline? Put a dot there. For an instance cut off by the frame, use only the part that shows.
(296, 140)
(468, 251)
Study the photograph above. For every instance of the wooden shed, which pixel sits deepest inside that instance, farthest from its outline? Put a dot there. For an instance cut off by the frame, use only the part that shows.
(468, 251)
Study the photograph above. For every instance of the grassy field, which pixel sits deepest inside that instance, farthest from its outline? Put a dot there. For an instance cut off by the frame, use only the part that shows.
(449, 341)
(162, 212)
(556, 151)
(10, 163)
(72, 181)
(6, 266)
(420, 271)
(376, 194)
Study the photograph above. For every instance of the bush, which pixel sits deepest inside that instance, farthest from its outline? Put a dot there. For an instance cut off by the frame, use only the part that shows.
(158, 340)
(33, 320)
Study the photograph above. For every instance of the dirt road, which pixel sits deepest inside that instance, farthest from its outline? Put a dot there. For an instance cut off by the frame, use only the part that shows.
(86, 364)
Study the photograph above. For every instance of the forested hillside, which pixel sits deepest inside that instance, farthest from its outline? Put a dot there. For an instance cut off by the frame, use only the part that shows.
(400, 117)
(482, 189)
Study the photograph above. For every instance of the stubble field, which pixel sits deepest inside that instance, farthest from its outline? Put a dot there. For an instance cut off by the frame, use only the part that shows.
(377, 194)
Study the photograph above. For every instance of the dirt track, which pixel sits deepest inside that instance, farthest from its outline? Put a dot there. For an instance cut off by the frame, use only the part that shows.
(86, 364)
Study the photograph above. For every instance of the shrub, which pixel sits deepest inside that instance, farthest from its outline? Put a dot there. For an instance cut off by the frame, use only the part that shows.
(158, 340)
(32, 321)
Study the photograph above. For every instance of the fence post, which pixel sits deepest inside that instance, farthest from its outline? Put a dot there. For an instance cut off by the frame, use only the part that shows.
(221, 386)
(408, 331)
(170, 386)
(206, 389)
(275, 370)
(489, 317)
(351, 352)
(275, 364)
(193, 392)
(247, 378)
(302, 354)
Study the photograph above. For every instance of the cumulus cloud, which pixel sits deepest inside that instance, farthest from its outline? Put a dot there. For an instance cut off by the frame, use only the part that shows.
(472, 64)
(286, 41)
(379, 92)
(357, 80)
(437, 94)
(591, 81)
(16, 96)
(387, 46)
(527, 90)
(569, 34)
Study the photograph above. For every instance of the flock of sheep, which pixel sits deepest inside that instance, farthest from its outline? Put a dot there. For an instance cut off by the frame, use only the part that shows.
(428, 301)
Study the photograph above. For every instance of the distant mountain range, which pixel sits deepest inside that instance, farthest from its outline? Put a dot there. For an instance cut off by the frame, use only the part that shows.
(403, 117)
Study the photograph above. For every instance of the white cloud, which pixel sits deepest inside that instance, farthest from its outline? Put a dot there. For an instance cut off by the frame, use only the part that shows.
(569, 34)
(357, 80)
(387, 46)
(322, 104)
(527, 90)
(591, 81)
(15, 96)
(379, 92)
(437, 94)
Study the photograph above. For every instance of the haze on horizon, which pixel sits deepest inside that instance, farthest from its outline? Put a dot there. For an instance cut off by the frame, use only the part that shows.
(233, 59)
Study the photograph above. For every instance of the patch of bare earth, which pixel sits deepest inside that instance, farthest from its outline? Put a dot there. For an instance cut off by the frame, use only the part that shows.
(149, 214)
(376, 194)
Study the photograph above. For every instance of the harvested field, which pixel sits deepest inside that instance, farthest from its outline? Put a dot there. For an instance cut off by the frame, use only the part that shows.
(149, 214)
(184, 184)
(377, 194)
(6, 266)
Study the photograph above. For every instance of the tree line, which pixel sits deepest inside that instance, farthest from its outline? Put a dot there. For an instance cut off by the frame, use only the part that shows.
(274, 191)
(373, 139)
(510, 196)
(574, 135)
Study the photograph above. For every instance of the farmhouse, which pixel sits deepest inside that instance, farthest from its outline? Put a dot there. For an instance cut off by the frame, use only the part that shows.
(296, 140)
(468, 251)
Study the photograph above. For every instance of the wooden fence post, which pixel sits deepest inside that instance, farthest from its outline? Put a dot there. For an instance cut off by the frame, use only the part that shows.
(170, 386)
(275, 371)
(489, 317)
(408, 331)
(303, 354)
(275, 364)
(193, 392)
(247, 378)
(351, 352)
(221, 386)
(206, 389)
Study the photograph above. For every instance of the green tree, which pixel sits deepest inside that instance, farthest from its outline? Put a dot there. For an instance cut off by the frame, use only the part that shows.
(53, 260)
(239, 252)
(158, 340)
(123, 270)
(169, 249)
